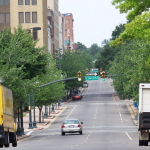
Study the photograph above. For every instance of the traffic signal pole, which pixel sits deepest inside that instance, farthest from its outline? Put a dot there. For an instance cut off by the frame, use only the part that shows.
(58, 81)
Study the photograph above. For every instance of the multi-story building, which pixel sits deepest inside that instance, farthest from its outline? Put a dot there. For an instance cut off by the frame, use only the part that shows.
(69, 32)
(53, 5)
(51, 41)
(4, 14)
(31, 14)
(61, 34)
(34, 15)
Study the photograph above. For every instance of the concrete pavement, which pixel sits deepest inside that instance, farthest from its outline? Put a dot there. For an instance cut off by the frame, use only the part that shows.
(46, 122)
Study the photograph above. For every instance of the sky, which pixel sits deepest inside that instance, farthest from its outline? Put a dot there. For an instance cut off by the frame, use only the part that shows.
(94, 20)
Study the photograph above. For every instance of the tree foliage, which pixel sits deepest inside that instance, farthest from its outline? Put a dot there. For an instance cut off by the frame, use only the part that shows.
(132, 7)
(94, 50)
(107, 52)
(23, 64)
(71, 63)
(139, 28)
(132, 66)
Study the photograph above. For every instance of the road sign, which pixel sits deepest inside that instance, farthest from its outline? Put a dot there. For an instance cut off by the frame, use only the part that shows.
(91, 74)
(94, 70)
(91, 77)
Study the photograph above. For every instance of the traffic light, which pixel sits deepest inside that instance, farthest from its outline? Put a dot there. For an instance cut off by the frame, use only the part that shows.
(103, 75)
(79, 76)
(87, 70)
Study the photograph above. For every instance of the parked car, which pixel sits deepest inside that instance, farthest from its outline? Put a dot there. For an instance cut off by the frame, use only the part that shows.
(71, 126)
(77, 96)
(85, 84)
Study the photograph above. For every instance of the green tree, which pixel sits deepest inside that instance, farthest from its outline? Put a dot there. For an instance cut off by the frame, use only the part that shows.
(16, 51)
(94, 50)
(72, 63)
(20, 62)
(50, 93)
(119, 29)
(132, 64)
(137, 29)
(132, 7)
(81, 47)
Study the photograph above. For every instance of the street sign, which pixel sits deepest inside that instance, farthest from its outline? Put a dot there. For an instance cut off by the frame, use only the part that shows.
(91, 77)
(91, 74)
(103, 79)
(94, 70)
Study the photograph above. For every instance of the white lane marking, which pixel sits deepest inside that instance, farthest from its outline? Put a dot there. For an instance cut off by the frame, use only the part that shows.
(42, 139)
(120, 115)
(128, 136)
(29, 133)
(71, 112)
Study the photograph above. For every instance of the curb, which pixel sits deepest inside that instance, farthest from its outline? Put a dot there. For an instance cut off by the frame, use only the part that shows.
(132, 111)
(22, 137)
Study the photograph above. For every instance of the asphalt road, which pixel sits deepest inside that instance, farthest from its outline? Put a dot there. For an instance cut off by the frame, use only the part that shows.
(107, 124)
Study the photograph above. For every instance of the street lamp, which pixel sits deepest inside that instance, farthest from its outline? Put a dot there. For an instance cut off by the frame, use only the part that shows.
(21, 119)
(34, 121)
(45, 114)
(30, 115)
(35, 35)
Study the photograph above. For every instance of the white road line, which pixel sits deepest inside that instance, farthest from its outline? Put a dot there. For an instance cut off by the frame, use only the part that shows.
(29, 133)
(42, 139)
(71, 112)
(120, 115)
(128, 136)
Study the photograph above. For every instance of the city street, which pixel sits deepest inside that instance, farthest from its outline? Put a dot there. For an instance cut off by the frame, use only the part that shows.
(107, 124)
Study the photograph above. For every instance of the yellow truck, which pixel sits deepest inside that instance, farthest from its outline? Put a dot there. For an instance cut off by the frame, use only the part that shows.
(7, 119)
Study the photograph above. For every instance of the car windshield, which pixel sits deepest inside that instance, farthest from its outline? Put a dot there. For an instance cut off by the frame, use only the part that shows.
(71, 122)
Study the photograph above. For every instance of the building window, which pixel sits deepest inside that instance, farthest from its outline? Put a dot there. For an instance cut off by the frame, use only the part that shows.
(27, 2)
(27, 17)
(2, 20)
(34, 2)
(7, 18)
(21, 17)
(7, 2)
(20, 2)
(34, 17)
(1, 2)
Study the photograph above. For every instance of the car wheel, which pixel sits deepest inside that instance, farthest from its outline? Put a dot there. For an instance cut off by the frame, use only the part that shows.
(62, 133)
(80, 132)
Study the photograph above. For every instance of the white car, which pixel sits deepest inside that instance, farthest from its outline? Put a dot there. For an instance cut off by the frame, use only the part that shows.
(85, 84)
(71, 126)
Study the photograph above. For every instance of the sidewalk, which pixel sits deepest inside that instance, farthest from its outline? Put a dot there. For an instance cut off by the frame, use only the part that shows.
(45, 122)
(134, 112)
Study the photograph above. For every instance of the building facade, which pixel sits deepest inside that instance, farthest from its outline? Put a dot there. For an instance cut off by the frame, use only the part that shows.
(68, 31)
(61, 34)
(53, 5)
(32, 15)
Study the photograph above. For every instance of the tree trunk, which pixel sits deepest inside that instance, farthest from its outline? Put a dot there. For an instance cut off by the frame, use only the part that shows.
(40, 110)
